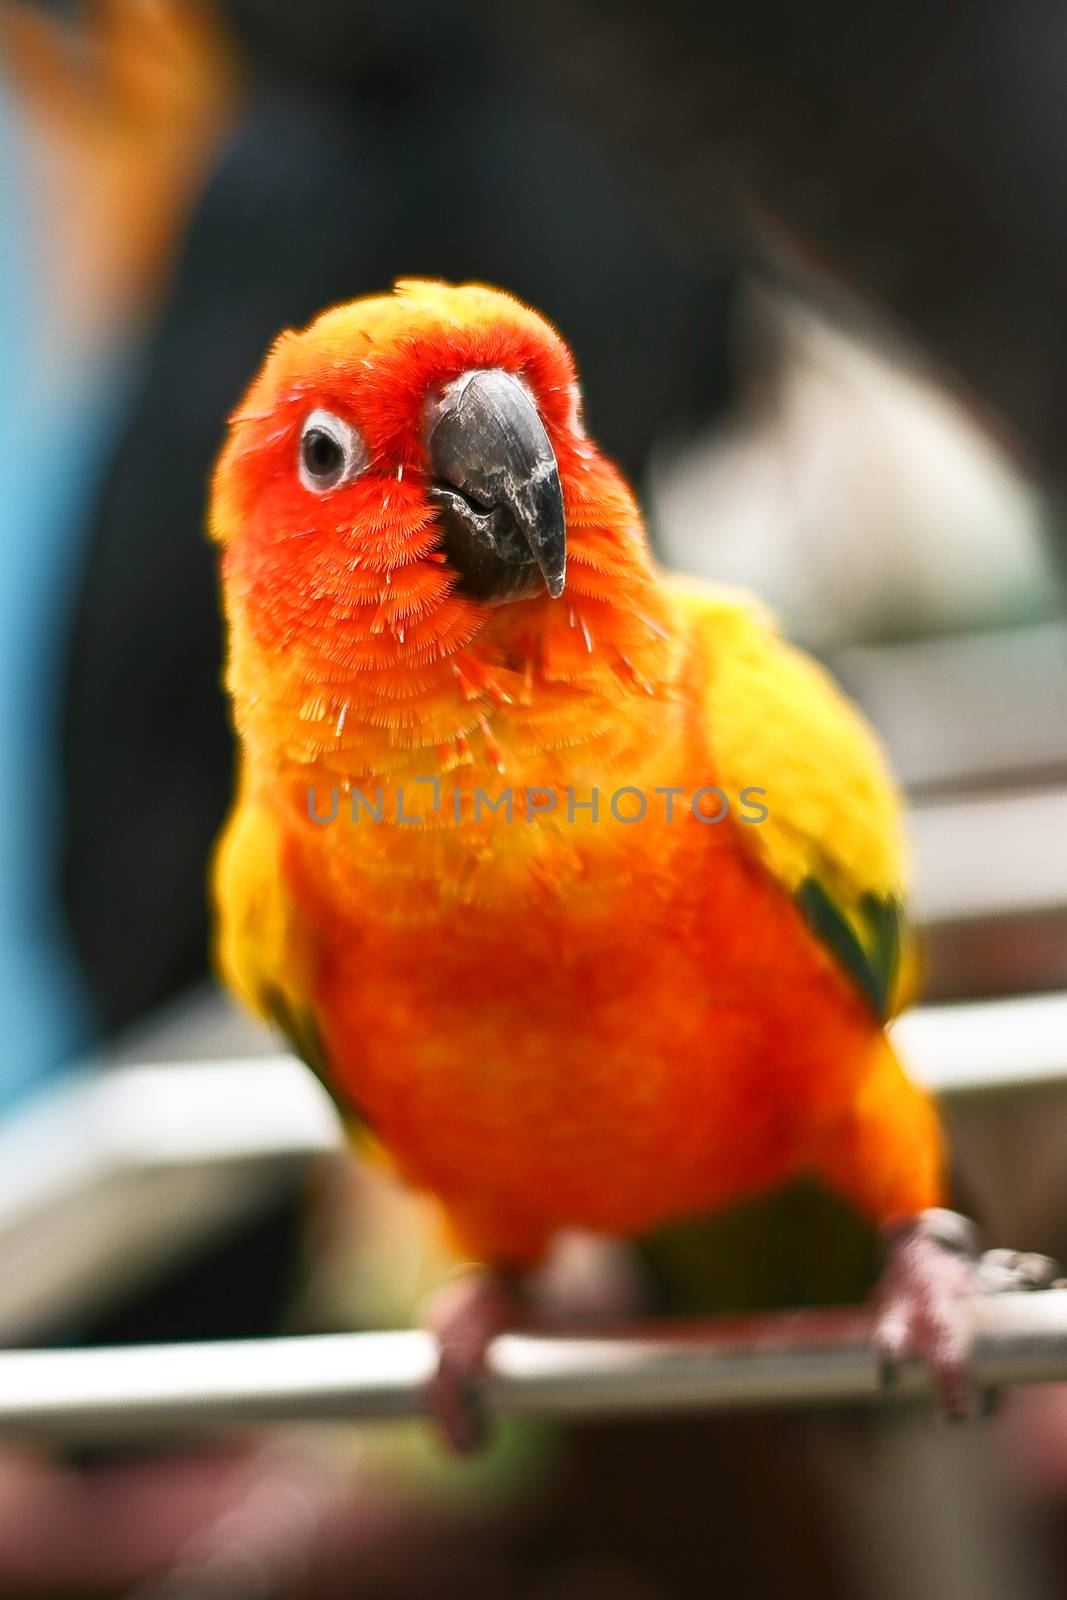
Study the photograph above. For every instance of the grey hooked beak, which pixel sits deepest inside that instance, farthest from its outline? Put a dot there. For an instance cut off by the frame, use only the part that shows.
(496, 484)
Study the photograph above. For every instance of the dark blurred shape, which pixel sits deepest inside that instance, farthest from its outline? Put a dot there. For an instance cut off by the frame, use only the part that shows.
(914, 153)
(231, 1289)
(361, 157)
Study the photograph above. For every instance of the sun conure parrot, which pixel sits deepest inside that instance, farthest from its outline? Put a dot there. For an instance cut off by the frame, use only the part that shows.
(445, 633)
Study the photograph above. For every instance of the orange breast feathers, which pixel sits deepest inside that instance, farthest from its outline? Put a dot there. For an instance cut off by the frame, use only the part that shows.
(469, 868)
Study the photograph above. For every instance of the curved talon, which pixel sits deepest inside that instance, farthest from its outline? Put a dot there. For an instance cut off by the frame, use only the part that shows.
(465, 1317)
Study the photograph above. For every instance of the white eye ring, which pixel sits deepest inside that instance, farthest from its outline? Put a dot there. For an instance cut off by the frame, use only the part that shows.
(332, 452)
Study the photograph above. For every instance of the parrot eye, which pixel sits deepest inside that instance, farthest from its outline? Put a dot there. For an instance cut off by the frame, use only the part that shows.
(331, 452)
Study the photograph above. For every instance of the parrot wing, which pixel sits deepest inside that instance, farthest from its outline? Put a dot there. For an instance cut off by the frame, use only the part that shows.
(832, 835)
(265, 949)
(261, 947)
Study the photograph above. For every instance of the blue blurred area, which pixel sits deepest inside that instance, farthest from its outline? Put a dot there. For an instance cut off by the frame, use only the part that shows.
(51, 449)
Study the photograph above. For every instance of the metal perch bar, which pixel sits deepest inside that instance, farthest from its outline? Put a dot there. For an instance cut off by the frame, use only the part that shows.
(799, 1358)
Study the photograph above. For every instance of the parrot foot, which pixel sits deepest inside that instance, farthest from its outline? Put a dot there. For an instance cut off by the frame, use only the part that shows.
(465, 1317)
(922, 1298)
(933, 1268)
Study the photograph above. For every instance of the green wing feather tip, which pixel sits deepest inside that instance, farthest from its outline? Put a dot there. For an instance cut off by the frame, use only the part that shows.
(866, 940)
(301, 1030)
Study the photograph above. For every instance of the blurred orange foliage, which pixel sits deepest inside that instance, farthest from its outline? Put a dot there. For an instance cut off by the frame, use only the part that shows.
(124, 109)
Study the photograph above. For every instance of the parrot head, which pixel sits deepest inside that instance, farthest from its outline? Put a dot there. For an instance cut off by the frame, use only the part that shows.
(405, 493)
(452, 404)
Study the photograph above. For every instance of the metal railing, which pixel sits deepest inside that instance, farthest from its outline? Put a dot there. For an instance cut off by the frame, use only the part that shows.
(799, 1358)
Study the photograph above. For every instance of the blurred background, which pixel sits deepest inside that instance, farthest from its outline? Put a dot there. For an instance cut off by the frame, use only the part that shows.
(810, 260)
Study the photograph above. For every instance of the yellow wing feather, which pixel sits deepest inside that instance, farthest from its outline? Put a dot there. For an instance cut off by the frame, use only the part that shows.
(264, 947)
(833, 836)
(258, 949)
